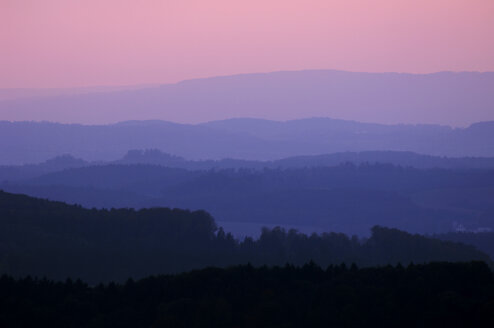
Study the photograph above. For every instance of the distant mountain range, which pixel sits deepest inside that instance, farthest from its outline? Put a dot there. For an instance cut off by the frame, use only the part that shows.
(246, 139)
(455, 99)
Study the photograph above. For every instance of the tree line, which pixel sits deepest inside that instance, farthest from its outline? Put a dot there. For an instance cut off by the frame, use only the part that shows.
(56, 240)
(431, 295)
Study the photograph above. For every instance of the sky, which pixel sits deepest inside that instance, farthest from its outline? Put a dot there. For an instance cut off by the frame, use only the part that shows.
(76, 43)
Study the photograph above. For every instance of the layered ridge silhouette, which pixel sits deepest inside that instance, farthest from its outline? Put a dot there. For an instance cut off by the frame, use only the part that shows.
(247, 139)
(449, 98)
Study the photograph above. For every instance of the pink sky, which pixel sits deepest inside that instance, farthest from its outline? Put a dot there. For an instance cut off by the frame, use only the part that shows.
(68, 43)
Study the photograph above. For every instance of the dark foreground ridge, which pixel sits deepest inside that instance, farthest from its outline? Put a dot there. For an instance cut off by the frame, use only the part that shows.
(432, 295)
(56, 240)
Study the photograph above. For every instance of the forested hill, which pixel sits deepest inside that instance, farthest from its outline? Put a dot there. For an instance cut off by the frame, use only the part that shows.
(346, 198)
(44, 238)
(157, 157)
(432, 295)
(400, 158)
(483, 240)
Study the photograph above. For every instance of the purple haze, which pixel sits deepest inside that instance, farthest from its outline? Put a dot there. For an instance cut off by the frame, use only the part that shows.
(456, 99)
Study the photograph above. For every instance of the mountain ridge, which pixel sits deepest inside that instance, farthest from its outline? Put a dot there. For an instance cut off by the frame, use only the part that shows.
(445, 98)
(246, 139)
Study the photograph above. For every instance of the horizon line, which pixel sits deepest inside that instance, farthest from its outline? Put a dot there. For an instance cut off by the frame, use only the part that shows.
(159, 84)
(159, 121)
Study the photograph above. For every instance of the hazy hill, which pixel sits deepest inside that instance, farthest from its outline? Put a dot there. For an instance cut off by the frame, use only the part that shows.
(13, 173)
(30, 142)
(247, 139)
(346, 198)
(27, 171)
(405, 159)
(442, 98)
